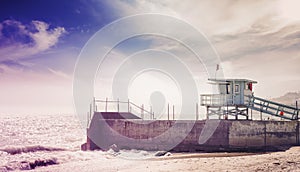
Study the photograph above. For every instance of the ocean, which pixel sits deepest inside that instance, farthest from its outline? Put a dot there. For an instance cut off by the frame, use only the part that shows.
(51, 143)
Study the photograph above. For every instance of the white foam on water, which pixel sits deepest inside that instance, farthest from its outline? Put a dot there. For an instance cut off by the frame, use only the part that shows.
(39, 142)
(133, 154)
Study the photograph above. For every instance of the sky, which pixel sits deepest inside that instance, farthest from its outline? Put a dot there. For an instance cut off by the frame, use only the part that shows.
(40, 42)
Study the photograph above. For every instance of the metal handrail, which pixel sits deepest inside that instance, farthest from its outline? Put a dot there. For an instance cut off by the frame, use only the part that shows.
(141, 108)
(118, 102)
(94, 108)
(272, 108)
(274, 103)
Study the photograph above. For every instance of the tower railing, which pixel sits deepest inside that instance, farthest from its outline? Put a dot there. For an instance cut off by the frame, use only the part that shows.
(217, 99)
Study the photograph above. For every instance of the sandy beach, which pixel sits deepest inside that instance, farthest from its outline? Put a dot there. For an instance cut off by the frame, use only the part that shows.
(276, 161)
(19, 135)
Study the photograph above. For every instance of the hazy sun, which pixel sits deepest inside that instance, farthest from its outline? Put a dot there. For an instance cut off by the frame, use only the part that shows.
(289, 9)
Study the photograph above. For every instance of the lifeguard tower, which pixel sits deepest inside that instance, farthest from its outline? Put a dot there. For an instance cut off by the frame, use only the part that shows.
(236, 97)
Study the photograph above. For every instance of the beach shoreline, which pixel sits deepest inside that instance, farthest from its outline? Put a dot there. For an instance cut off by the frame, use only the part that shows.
(288, 160)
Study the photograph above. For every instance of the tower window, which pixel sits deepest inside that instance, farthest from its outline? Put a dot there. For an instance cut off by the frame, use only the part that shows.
(228, 89)
(237, 88)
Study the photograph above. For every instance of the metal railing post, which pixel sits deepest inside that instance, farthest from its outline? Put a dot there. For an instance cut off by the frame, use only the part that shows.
(260, 111)
(227, 113)
(173, 112)
(197, 113)
(118, 106)
(151, 116)
(94, 104)
(128, 105)
(142, 111)
(297, 110)
(106, 104)
(168, 112)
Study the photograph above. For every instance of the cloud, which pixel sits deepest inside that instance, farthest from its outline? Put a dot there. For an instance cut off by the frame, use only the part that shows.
(258, 39)
(20, 41)
(233, 46)
(235, 27)
(210, 16)
(60, 73)
(45, 38)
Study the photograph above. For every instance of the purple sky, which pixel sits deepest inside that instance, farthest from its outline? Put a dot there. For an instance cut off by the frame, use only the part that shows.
(41, 40)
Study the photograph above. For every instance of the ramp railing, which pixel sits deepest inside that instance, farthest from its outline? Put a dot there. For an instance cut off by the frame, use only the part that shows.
(272, 108)
(98, 105)
(121, 107)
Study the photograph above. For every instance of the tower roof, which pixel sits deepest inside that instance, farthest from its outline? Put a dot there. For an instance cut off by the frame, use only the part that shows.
(228, 81)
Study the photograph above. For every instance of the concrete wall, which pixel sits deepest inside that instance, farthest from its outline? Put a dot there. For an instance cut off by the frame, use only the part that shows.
(155, 135)
(258, 134)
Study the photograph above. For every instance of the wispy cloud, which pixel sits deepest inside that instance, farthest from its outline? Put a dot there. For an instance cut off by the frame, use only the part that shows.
(45, 38)
(210, 16)
(258, 39)
(20, 41)
(60, 73)
(254, 42)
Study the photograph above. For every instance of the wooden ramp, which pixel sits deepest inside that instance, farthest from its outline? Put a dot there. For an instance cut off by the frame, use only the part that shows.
(117, 115)
(272, 108)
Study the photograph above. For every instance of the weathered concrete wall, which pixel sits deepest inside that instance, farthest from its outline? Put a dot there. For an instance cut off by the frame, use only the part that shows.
(156, 135)
(258, 134)
(247, 134)
(281, 133)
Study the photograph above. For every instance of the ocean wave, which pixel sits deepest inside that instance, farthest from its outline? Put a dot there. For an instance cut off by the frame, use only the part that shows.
(26, 149)
(28, 165)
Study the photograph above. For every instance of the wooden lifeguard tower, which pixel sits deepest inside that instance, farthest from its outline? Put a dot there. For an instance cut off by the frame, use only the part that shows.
(236, 97)
(230, 100)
